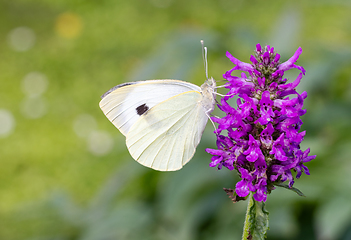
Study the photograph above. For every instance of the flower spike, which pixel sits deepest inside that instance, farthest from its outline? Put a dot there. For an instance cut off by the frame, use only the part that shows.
(263, 139)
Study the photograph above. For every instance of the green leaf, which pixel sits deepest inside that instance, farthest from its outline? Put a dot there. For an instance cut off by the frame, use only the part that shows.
(292, 188)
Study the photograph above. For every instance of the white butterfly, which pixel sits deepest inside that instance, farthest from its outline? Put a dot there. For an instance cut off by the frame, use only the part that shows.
(163, 120)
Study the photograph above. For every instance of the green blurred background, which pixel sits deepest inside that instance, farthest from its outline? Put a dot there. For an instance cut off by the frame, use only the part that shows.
(65, 171)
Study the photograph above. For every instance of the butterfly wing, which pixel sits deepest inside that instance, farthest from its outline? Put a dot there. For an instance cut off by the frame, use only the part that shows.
(166, 136)
(124, 104)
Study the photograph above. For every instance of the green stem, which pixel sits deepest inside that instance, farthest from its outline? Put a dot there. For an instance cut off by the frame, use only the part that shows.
(247, 217)
(256, 221)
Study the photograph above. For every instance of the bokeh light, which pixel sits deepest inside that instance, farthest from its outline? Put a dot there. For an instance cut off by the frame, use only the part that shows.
(21, 39)
(34, 84)
(34, 107)
(100, 143)
(68, 25)
(84, 124)
(7, 123)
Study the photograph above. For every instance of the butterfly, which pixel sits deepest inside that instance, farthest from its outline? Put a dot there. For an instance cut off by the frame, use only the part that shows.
(163, 120)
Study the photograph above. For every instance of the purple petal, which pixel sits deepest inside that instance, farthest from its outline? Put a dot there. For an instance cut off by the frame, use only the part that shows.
(253, 59)
(242, 189)
(292, 85)
(276, 58)
(239, 65)
(260, 196)
(290, 63)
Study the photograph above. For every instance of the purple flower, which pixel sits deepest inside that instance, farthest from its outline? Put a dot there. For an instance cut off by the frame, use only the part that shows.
(302, 158)
(278, 150)
(223, 156)
(260, 194)
(244, 187)
(262, 138)
(266, 109)
(254, 151)
(266, 136)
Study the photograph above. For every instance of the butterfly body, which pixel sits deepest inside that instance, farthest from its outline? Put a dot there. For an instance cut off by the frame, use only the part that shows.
(163, 120)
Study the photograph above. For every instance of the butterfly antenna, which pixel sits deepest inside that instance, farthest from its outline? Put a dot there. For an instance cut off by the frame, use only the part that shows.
(204, 57)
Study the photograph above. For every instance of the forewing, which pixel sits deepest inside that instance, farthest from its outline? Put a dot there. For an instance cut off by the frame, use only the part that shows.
(165, 138)
(124, 104)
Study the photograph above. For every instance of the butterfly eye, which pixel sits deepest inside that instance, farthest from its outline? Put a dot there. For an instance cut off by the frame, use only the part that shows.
(142, 109)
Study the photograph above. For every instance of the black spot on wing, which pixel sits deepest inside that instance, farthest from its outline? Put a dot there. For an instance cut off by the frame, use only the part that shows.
(142, 109)
(115, 87)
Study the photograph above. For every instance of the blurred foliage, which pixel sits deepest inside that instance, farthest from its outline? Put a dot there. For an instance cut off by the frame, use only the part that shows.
(65, 171)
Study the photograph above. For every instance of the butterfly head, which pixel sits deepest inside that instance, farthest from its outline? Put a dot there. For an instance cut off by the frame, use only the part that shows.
(209, 86)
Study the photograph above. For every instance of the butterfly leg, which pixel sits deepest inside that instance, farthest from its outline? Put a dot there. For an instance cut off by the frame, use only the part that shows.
(209, 117)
